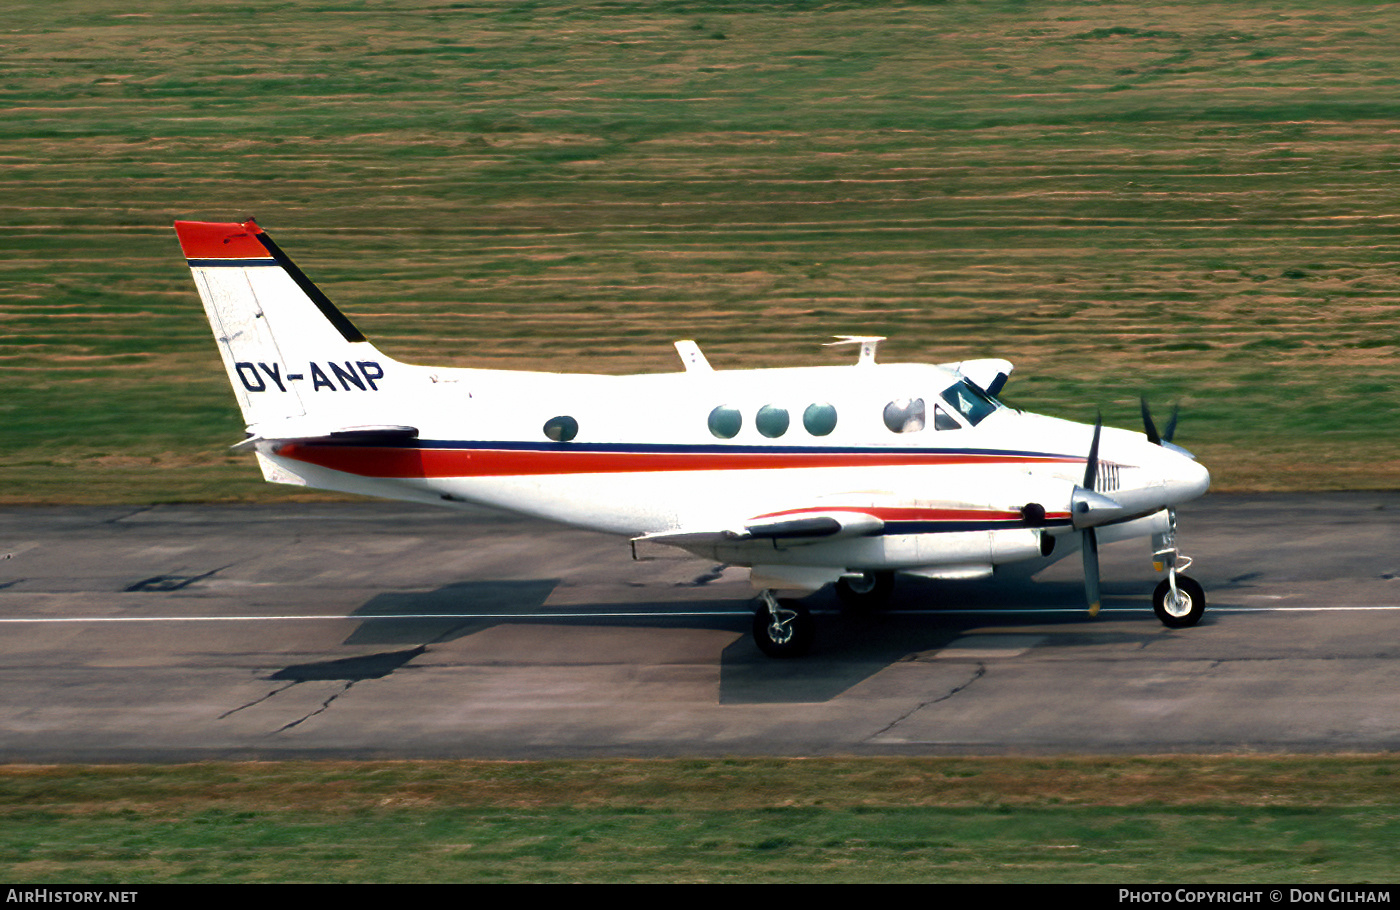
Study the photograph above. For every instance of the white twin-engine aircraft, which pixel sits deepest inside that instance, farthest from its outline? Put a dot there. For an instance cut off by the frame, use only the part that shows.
(808, 476)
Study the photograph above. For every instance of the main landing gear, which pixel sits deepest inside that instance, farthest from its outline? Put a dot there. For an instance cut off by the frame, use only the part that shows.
(865, 592)
(782, 628)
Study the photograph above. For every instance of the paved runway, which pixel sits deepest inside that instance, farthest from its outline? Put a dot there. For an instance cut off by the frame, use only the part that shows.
(179, 633)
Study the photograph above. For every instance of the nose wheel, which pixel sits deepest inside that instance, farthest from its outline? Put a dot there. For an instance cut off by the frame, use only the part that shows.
(1179, 600)
(1181, 606)
(782, 628)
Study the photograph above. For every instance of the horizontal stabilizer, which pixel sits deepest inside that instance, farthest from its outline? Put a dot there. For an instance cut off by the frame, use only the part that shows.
(365, 435)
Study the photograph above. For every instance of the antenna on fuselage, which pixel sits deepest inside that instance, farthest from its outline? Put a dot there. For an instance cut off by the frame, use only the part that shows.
(693, 358)
(869, 344)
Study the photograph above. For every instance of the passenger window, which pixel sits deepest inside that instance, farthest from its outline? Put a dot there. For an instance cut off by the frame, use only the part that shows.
(561, 429)
(942, 420)
(725, 422)
(819, 419)
(905, 416)
(772, 421)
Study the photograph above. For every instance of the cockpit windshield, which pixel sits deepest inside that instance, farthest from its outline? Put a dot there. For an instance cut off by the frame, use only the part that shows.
(969, 401)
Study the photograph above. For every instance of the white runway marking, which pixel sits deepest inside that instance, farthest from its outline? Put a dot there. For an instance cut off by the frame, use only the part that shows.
(357, 617)
(655, 614)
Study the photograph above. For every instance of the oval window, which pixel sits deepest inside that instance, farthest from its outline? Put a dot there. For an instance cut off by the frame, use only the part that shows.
(561, 429)
(819, 419)
(772, 421)
(725, 422)
(905, 416)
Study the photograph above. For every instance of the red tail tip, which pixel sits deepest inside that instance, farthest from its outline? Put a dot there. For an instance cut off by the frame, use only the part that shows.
(220, 240)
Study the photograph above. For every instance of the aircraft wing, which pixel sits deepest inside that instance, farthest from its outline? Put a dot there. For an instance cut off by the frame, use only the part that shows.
(794, 527)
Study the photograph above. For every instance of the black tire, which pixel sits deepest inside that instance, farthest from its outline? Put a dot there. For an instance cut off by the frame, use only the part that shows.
(1189, 609)
(789, 635)
(865, 595)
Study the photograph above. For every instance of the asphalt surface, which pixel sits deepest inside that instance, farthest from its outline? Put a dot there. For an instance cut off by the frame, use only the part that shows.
(177, 633)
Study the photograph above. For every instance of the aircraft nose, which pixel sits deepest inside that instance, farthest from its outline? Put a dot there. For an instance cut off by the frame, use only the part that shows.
(1187, 478)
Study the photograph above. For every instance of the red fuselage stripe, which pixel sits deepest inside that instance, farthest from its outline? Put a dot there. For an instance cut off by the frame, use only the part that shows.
(375, 461)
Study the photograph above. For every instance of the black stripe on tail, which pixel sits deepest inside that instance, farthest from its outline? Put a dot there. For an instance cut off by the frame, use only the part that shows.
(344, 326)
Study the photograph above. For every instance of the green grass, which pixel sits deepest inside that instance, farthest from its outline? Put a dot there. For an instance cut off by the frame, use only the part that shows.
(1190, 201)
(1257, 819)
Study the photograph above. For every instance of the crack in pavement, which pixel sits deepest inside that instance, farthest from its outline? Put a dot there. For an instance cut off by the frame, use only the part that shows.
(258, 701)
(978, 674)
(348, 669)
(325, 705)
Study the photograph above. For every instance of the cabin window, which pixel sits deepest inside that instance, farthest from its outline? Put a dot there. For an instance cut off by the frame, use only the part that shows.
(772, 421)
(942, 420)
(561, 429)
(725, 422)
(905, 416)
(819, 419)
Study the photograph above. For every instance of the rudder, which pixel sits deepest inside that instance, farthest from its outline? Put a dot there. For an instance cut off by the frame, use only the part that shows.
(281, 339)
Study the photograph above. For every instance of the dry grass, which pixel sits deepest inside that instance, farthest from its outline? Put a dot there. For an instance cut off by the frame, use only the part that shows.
(1191, 202)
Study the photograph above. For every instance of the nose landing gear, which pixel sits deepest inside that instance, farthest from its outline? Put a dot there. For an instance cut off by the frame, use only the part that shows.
(1179, 601)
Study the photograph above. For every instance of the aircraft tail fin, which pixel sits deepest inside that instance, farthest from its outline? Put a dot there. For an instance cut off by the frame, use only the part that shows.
(283, 343)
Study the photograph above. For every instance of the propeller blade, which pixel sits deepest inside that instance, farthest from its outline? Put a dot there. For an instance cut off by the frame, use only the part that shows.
(1090, 539)
(1091, 570)
(1148, 426)
(1171, 424)
(1091, 467)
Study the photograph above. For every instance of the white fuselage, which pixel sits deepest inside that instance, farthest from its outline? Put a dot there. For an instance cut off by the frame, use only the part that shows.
(645, 461)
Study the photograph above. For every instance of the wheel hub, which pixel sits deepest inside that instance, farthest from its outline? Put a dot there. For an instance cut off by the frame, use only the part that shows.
(1177, 603)
(780, 626)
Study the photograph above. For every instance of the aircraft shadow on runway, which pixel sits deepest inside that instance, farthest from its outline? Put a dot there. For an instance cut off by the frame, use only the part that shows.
(850, 647)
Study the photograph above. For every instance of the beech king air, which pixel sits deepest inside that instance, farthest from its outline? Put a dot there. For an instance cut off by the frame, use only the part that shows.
(844, 475)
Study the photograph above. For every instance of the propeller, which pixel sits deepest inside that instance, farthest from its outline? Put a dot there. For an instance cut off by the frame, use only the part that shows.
(1164, 543)
(1090, 542)
(1151, 428)
(1088, 509)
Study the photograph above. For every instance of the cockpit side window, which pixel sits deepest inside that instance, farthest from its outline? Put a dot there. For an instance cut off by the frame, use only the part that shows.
(969, 401)
(942, 420)
(904, 415)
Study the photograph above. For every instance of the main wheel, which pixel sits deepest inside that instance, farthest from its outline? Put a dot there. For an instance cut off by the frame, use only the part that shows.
(785, 632)
(1185, 609)
(870, 591)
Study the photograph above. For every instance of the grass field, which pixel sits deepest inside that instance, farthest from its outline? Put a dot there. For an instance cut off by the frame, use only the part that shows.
(1295, 820)
(1193, 202)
